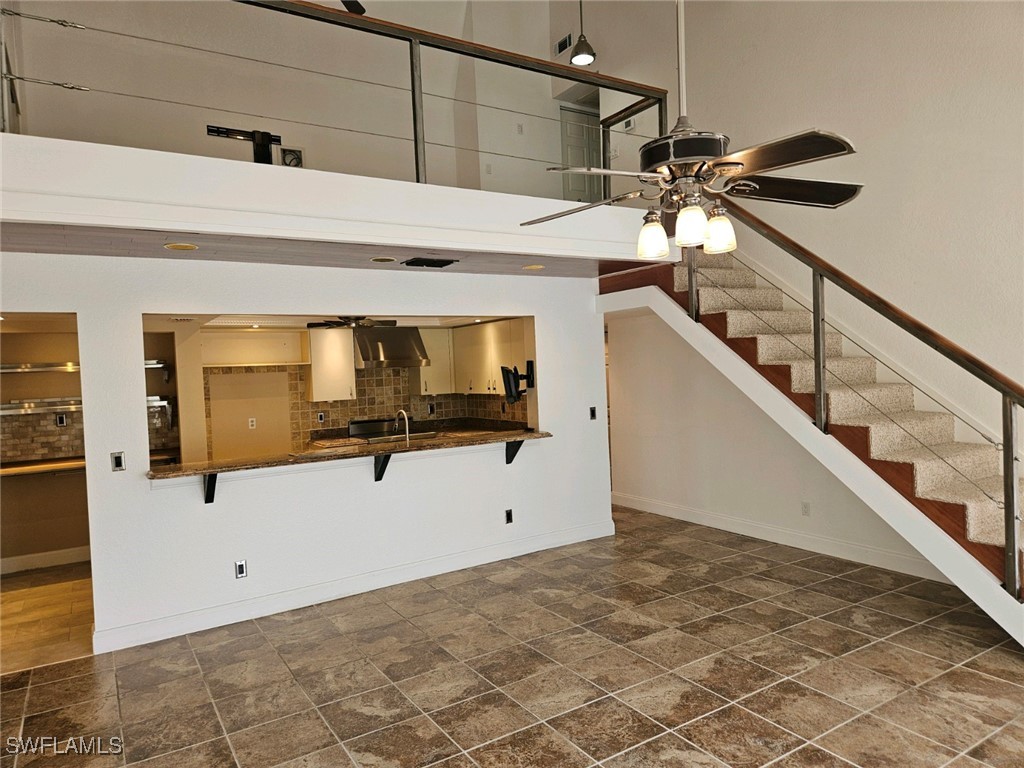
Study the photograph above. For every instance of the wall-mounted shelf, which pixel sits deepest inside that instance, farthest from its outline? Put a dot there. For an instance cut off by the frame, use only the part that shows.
(42, 405)
(40, 368)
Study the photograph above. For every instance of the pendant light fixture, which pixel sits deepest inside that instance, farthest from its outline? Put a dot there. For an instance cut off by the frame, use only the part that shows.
(583, 54)
(720, 237)
(653, 242)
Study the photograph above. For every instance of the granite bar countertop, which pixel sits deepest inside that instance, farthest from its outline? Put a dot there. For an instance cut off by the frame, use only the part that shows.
(353, 448)
(48, 466)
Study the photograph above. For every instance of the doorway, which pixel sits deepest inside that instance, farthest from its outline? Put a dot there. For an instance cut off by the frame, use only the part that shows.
(581, 147)
(46, 582)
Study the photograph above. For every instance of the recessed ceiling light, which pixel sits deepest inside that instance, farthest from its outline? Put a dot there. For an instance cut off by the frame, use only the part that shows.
(382, 259)
(533, 267)
(181, 246)
(255, 325)
(478, 321)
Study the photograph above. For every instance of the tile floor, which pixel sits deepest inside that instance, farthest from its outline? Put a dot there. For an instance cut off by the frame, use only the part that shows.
(45, 616)
(669, 644)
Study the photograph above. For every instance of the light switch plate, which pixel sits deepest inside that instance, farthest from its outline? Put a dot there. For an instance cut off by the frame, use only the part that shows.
(117, 462)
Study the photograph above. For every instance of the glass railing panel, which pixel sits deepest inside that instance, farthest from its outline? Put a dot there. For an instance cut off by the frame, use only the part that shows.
(157, 78)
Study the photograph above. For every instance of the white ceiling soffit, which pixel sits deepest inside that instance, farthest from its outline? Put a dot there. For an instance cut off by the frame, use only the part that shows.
(18, 237)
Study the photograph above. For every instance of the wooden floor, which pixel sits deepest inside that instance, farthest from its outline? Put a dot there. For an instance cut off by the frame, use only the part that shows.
(45, 616)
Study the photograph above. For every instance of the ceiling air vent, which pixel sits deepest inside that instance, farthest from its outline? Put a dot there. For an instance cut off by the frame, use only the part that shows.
(419, 261)
(563, 45)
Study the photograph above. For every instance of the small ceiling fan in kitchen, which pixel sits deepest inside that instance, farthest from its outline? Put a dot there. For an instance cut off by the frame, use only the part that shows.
(352, 322)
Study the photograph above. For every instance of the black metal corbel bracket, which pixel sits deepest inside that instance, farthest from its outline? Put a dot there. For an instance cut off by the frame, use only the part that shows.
(209, 487)
(511, 449)
(380, 466)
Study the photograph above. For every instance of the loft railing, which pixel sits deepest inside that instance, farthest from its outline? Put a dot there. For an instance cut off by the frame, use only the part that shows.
(1011, 392)
(649, 96)
(174, 81)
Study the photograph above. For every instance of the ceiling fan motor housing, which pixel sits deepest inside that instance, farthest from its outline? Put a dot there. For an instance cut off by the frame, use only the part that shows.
(682, 154)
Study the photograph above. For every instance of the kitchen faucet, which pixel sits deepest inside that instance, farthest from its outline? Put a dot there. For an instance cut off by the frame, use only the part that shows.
(403, 414)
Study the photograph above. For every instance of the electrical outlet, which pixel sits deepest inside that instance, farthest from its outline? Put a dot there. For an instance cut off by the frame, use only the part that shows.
(508, 517)
(117, 462)
(487, 169)
(61, 420)
(431, 409)
(519, 128)
(241, 570)
(252, 423)
(593, 413)
(805, 508)
(320, 417)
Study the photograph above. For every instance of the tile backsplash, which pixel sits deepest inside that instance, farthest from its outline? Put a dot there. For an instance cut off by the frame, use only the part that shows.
(36, 437)
(380, 393)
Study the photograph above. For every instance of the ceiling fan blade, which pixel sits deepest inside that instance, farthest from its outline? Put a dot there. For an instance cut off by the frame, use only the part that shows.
(608, 172)
(801, 148)
(778, 189)
(353, 6)
(617, 199)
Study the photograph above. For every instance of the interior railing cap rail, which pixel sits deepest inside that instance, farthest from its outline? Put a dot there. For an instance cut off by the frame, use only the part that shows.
(455, 45)
(951, 350)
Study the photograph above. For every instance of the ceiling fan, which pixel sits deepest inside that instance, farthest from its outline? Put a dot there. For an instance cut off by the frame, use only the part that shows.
(677, 167)
(353, 322)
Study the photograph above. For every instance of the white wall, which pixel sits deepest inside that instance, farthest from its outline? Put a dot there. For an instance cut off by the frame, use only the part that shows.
(930, 95)
(162, 559)
(687, 443)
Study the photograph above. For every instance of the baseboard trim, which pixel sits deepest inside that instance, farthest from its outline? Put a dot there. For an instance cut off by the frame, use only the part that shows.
(194, 621)
(29, 562)
(860, 553)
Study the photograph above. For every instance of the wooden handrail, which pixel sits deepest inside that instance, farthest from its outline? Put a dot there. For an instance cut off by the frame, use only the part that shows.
(865, 295)
(455, 45)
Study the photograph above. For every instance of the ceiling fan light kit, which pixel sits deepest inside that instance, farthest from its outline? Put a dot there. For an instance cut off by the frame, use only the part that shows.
(691, 223)
(653, 241)
(720, 236)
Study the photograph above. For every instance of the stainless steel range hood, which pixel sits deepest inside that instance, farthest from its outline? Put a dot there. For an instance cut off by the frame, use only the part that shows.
(389, 347)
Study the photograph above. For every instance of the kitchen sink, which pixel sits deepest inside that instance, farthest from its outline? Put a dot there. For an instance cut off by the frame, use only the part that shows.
(401, 438)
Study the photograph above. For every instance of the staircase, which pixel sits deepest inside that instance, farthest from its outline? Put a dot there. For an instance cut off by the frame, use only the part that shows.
(956, 484)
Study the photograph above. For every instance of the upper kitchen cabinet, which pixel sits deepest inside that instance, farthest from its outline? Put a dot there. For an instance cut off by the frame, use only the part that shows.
(481, 349)
(438, 378)
(332, 370)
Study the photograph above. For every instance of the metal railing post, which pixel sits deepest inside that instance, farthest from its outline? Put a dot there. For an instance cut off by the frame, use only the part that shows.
(1011, 497)
(692, 297)
(606, 162)
(416, 86)
(820, 394)
(663, 115)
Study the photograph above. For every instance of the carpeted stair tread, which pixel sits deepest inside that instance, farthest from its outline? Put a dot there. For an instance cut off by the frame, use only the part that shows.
(839, 371)
(719, 299)
(985, 522)
(741, 323)
(935, 465)
(775, 347)
(904, 430)
(846, 401)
